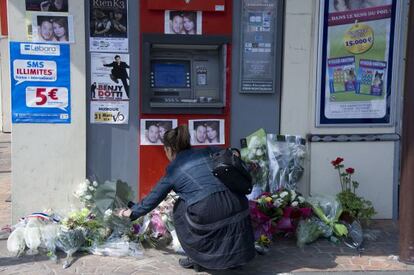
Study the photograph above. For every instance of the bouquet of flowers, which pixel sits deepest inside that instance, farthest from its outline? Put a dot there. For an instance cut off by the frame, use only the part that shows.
(294, 208)
(286, 158)
(254, 154)
(157, 228)
(354, 206)
(277, 212)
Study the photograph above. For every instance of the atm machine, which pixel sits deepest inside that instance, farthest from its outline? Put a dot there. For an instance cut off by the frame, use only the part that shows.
(183, 77)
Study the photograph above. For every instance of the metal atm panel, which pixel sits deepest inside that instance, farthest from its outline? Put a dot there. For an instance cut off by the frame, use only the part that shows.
(184, 78)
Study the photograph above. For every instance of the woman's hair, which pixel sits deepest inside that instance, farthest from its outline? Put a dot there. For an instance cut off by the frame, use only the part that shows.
(165, 124)
(192, 17)
(178, 139)
(42, 19)
(213, 125)
(63, 22)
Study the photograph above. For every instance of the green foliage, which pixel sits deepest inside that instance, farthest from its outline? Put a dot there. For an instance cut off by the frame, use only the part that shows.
(356, 206)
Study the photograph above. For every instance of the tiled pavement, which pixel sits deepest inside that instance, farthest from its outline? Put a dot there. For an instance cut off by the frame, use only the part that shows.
(284, 257)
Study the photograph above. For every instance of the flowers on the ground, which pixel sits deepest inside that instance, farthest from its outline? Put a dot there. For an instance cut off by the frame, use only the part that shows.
(355, 206)
(255, 156)
(278, 212)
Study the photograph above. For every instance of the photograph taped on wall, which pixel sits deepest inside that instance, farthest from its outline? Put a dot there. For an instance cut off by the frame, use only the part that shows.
(183, 22)
(153, 130)
(109, 26)
(32, 16)
(47, 5)
(356, 65)
(207, 131)
(52, 28)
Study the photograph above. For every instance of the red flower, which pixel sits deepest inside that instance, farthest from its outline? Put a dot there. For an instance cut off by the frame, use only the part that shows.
(337, 162)
(350, 170)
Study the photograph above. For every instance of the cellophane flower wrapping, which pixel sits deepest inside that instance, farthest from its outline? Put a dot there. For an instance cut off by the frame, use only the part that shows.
(36, 232)
(15, 243)
(157, 228)
(308, 231)
(96, 228)
(70, 241)
(32, 235)
(286, 161)
(49, 235)
(328, 209)
(255, 157)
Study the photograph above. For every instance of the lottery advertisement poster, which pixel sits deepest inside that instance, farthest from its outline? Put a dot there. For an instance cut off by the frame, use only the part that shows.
(357, 55)
(40, 83)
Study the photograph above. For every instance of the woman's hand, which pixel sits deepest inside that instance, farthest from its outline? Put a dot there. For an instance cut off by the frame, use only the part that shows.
(124, 212)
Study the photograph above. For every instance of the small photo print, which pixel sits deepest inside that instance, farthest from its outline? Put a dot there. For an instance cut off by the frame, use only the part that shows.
(183, 22)
(153, 130)
(52, 29)
(206, 131)
(47, 5)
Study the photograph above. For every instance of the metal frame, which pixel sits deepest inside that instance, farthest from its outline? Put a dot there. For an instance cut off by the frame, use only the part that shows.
(277, 49)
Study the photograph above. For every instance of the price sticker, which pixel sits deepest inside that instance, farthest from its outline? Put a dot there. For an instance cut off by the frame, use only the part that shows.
(47, 97)
(359, 38)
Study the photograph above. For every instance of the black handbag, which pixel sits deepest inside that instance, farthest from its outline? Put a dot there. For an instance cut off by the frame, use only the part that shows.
(231, 170)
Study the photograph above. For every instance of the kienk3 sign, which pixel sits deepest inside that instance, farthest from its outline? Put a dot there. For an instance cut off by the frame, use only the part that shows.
(40, 83)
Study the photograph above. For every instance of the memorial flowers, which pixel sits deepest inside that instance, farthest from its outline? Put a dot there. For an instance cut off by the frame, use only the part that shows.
(277, 212)
(354, 206)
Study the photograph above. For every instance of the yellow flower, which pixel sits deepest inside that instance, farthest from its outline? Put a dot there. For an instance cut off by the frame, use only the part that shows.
(268, 199)
(264, 240)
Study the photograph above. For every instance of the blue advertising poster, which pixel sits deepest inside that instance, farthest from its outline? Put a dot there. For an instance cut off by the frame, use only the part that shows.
(40, 82)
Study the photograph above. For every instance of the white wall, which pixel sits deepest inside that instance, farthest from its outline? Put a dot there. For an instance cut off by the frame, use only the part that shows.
(49, 160)
(374, 161)
(5, 103)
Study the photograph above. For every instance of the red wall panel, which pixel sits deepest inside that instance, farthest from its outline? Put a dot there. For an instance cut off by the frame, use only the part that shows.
(181, 5)
(3, 17)
(152, 158)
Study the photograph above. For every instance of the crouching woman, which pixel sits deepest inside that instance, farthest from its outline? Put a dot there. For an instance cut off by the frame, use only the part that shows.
(212, 223)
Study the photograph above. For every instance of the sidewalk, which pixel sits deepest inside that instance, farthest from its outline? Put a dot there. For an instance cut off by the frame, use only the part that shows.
(284, 257)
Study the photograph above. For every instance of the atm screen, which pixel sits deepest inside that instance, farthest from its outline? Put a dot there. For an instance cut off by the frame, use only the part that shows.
(170, 74)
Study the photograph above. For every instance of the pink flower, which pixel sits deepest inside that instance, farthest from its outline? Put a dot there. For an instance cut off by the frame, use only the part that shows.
(158, 226)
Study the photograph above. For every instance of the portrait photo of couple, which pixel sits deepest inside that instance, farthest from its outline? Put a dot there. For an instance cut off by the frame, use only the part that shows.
(53, 29)
(207, 131)
(47, 5)
(152, 131)
(182, 22)
(108, 23)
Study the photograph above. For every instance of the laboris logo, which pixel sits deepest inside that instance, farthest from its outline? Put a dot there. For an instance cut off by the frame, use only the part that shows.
(39, 49)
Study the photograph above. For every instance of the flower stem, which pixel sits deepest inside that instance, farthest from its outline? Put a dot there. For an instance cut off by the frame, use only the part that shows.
(340, 178)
